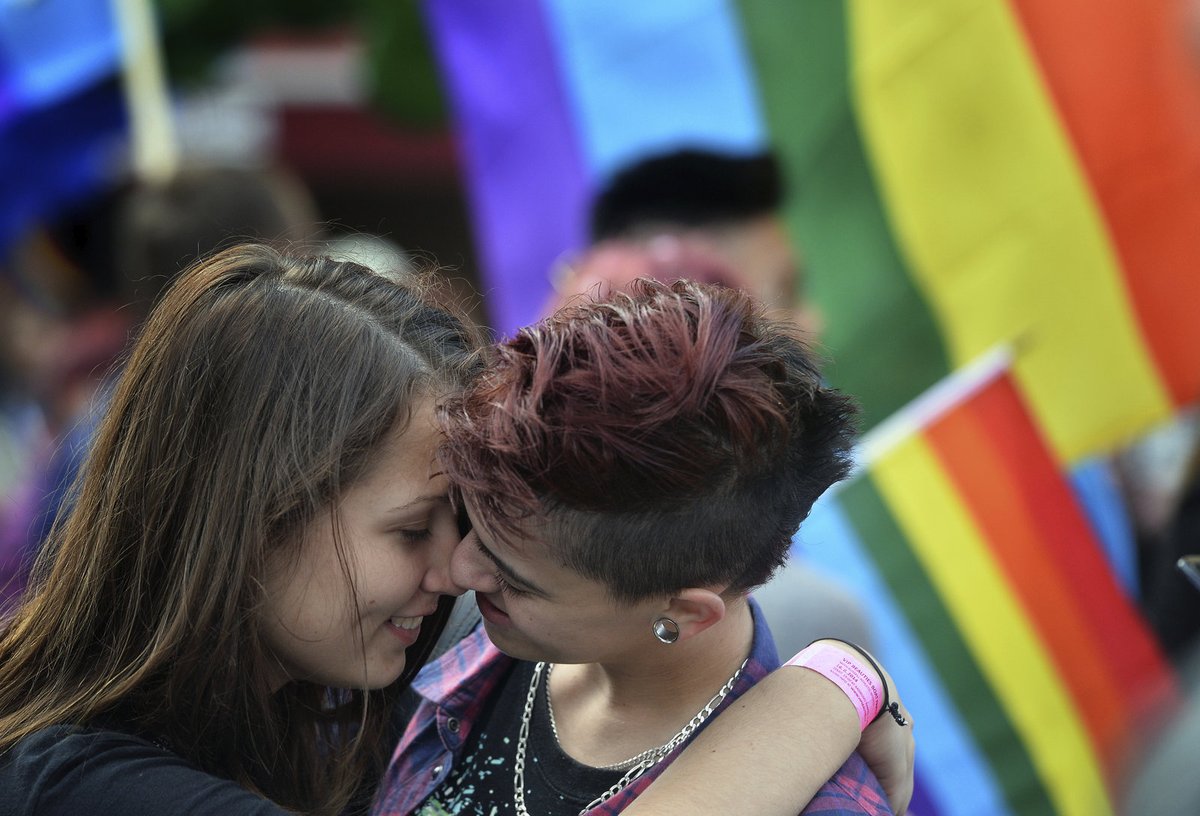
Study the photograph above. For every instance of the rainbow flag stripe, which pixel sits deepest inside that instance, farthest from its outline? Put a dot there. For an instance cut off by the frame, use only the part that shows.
(1017, 647)
(966, 173)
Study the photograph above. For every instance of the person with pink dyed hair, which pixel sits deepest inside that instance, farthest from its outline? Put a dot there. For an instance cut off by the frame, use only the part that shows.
(631, 468)
(731, 204)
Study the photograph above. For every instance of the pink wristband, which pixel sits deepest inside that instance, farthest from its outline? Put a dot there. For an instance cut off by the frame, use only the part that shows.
(858, 682)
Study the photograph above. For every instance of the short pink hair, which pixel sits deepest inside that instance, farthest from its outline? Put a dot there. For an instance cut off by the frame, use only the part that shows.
(669, 436)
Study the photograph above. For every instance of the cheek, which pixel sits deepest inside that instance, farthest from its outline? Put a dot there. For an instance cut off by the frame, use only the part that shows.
(316, 613)
(552, 624)
(388, 578)
(305, 632)
(314, 599)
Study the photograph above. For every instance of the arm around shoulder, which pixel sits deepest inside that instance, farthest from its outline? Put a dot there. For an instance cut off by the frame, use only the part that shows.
(777, 745)
(773, 748)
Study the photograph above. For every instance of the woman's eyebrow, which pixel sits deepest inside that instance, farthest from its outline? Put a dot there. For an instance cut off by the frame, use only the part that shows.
(421, 501)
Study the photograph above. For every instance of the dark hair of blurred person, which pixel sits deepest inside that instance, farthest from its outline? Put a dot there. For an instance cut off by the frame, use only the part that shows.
(688, 188)
(161, 228)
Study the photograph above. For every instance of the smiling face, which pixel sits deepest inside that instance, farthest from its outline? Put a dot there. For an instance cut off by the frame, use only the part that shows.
(534, 608)
(397, 532)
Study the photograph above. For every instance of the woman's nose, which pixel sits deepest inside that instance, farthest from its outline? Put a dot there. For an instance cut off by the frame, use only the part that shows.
(437, 578)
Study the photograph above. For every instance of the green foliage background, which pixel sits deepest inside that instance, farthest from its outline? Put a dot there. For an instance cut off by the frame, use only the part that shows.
(400, 72)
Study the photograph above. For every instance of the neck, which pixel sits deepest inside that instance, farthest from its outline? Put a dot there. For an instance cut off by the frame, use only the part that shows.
(609, 711)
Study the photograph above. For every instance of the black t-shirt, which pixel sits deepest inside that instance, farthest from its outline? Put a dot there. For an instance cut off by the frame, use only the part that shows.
(482, 784)
(71, 771)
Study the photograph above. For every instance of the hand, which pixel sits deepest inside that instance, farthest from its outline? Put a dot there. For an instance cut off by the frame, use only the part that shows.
(888, 747)
(889, 750)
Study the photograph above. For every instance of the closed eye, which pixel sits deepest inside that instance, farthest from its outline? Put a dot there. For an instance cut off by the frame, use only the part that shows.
(505, 587)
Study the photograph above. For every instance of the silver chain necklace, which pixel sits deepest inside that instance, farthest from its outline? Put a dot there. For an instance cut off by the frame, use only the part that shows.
(657, 752)
(639, 764)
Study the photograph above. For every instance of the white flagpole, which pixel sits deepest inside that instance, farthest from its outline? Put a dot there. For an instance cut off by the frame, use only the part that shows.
(153, 143)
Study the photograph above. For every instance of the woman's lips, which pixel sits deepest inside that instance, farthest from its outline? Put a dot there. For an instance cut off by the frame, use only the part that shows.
(403, 630)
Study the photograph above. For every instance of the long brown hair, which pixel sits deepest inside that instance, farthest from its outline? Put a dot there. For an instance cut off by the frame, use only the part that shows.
(258, 392)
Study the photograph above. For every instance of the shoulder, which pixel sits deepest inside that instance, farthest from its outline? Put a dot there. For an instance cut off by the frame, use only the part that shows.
(67, 770)
(852, 791)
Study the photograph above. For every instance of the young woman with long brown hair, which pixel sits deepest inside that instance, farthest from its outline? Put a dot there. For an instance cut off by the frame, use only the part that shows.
(256, 562)
(272, 414)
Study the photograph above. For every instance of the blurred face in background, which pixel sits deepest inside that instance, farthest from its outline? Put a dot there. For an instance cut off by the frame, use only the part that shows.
(760, 249)
(754, 255)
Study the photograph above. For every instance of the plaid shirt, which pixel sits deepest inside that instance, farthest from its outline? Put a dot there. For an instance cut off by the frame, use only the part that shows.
(455, 688)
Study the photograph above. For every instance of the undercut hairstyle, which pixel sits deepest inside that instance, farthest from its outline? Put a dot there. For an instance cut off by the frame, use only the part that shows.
(261, 388)
(671, 436)
(687, 188)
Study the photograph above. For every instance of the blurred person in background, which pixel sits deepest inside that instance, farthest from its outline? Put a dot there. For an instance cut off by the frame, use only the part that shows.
(18, 415)
(1171, 602)
(135, 246)
(728, 205)
(163, 228)
(1165, 782)
(63, 331)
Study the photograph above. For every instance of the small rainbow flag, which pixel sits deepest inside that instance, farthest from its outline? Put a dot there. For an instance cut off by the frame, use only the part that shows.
(1028, 668)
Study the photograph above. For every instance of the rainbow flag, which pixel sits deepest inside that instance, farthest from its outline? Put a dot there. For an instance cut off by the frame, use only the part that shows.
(965, 173)
(1027, 667)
